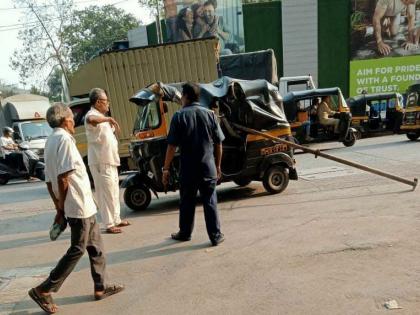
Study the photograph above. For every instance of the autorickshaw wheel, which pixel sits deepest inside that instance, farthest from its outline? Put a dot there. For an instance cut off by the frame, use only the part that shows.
(242, 181)
(138, 197)
(413, 136)
(40, 174)
(350, 140)
(275, 179)
(3, 180)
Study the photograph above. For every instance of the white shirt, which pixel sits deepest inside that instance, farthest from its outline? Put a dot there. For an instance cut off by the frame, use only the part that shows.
(5, 142)
(102, 143)
(61, 156)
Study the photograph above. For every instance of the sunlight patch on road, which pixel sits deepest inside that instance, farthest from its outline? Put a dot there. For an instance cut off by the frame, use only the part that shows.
(327, 172)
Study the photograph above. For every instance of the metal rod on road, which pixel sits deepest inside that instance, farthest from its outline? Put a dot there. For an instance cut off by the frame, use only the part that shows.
(331, 157)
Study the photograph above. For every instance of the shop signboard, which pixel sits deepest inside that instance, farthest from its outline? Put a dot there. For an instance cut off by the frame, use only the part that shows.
(385, 51)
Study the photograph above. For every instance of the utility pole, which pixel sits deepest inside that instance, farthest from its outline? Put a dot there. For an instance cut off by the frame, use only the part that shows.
(158, 26)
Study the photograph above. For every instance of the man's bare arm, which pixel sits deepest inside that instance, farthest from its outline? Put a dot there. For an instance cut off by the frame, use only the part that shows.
(96, 120)
(377, 17)
(411, 17)
(383, 48)
(170, 153)
(218, 149)
(52, 195)
(63, 186)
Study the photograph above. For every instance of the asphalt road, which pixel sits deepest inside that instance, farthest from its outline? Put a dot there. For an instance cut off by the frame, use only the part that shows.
(338, 241)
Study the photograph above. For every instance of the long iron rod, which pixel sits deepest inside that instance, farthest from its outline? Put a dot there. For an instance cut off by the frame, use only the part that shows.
(330, 157)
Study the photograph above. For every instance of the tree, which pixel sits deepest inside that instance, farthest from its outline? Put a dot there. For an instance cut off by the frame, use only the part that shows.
(157, 7)
(94, 29)
(41, 36)
(55, 85)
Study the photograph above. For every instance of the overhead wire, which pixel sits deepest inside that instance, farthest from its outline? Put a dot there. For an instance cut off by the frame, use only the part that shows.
(14, 27)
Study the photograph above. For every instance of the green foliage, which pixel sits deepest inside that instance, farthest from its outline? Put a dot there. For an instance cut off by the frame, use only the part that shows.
(55, 85)
(42, 47)
(37, 91)
(94, 29)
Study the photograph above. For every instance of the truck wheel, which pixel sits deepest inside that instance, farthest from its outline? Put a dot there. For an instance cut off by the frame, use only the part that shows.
(275, 179)
(413, 136)
(244, 181)
(4, 180)
(138, 197)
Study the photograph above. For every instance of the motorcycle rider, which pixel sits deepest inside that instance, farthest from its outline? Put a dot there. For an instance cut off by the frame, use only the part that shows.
(9, 151)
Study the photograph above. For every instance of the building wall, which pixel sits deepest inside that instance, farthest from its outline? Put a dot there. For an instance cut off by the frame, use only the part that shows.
(263, 29)
(300, 37)
(334, 43)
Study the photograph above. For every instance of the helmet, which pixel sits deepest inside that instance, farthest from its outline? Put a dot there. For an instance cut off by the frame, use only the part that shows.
(7, 130)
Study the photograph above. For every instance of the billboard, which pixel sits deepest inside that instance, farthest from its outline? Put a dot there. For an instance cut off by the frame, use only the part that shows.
(194, 19)
(384, 48)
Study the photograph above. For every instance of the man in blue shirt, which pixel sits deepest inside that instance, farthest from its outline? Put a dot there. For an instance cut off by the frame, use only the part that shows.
(196, 131)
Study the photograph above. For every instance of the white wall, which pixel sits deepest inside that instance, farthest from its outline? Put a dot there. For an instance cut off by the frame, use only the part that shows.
(300, 37)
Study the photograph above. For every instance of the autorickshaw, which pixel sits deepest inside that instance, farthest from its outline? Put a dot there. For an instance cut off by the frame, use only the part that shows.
(254, 104)
(301, 108)
(376, 113)
(411, 117)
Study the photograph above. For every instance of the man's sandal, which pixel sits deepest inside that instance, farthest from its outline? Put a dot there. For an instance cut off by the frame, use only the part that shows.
(113, 230)
(123, 224)
(109, 290)
(44, 301)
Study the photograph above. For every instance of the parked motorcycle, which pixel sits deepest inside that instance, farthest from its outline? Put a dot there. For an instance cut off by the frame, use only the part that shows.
(36, 167)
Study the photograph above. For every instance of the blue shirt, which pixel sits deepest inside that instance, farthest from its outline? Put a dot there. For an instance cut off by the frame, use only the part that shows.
(195, 130)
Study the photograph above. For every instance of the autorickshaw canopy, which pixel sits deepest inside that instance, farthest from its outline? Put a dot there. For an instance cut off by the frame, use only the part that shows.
(254, 103)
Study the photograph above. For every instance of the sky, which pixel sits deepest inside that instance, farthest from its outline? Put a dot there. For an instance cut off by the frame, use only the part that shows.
(9, 41)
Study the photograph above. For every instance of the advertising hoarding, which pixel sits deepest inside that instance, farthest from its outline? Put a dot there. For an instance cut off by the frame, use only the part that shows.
(385, 52)
(194, 19)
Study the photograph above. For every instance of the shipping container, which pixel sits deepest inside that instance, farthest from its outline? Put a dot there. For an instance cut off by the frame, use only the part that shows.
(122, 73)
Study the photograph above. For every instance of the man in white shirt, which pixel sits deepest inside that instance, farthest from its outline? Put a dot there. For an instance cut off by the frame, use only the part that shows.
(103, 160)
(69, 187)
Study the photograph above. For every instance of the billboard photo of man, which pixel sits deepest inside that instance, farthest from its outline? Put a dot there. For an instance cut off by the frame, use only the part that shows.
(381, 28)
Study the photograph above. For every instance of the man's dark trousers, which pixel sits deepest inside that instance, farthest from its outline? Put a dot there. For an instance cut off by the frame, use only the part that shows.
(188, 192)
(85, 235)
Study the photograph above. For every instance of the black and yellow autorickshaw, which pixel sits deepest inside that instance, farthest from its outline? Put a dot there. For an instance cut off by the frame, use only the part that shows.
(376, 113)
(411, 117)
(302, 112)
(254, 104)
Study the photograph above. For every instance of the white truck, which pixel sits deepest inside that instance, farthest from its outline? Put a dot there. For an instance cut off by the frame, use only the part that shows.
(25, 114)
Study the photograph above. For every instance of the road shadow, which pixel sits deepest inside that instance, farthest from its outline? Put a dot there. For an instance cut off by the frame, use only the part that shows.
(297, 202)
(167, 247)
(28, 224)
(166, 206)
(30, 241)
(28, 306)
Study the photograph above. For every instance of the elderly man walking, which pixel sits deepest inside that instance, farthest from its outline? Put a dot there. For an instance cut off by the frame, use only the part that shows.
(103, 160)
(69, 187)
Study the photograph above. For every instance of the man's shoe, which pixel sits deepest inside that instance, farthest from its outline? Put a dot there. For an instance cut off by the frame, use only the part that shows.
(180, 237)
(217, 239)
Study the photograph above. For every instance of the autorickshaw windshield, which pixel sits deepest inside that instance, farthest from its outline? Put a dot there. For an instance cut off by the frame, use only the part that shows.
(148, 117)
